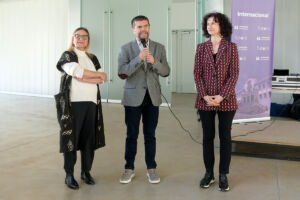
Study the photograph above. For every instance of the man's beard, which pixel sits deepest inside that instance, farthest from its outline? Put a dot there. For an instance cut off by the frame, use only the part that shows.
(144, 35)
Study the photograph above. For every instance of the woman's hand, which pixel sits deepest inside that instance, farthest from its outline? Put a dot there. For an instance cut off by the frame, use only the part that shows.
(103, 76)
(217, 99)
(213, 100)
(210, 100)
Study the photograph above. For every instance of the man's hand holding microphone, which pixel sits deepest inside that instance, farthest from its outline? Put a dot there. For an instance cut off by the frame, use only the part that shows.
(145, 54)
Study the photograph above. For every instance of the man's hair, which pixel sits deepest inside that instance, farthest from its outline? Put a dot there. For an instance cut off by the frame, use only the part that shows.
(139, 18)
(225, 25)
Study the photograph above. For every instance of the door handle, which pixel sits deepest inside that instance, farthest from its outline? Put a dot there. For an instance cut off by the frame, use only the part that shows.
(109, 46)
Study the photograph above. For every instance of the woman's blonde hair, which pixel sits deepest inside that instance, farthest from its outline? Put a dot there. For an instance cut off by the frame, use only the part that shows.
(71, 47)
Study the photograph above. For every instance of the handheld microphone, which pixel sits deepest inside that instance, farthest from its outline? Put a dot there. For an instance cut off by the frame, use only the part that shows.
(143, 41)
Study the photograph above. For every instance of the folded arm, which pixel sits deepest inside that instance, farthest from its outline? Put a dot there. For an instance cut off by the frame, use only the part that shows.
(84, 75)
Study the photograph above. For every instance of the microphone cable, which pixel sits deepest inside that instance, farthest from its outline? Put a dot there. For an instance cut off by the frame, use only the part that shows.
(178, 120)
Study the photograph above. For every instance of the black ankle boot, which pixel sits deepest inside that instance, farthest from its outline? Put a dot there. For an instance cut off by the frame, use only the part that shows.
(86, 176)
(71, 182)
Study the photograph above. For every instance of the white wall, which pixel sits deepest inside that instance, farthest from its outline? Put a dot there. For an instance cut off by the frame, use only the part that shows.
(287, 32)
(183, 15)
(33, 35)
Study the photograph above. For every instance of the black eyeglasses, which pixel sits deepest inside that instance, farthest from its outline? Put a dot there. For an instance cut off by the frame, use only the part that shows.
(84, 37)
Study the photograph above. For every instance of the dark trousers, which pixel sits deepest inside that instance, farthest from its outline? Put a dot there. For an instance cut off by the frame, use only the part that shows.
(133, 115)
(208, 125)
(84, 119)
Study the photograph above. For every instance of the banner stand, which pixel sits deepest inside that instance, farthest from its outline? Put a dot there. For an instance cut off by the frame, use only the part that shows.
(253, 32)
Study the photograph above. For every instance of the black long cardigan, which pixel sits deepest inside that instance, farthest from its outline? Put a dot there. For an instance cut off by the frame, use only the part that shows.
(63, 106)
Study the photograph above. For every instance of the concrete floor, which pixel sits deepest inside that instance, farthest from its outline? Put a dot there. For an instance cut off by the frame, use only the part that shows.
(31, 167)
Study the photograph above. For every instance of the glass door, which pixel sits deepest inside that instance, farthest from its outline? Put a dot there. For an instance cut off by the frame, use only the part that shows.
(119, 33)
(94, 17)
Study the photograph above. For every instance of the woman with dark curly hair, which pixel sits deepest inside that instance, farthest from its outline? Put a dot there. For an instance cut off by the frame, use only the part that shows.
(216, 73)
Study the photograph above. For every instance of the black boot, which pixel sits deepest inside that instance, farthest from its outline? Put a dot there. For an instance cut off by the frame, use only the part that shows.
(86, 176)
(207, 180)
(71, 182)
(223, 183)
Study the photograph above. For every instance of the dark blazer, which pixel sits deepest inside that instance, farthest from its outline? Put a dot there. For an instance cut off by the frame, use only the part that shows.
(216, 78)
(63, 106)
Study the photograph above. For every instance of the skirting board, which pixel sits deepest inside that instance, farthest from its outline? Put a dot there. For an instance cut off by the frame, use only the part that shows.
(251, 120)
(119, 101)
(27, 94)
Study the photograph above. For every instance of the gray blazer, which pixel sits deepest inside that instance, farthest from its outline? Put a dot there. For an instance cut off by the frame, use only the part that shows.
(138, 79)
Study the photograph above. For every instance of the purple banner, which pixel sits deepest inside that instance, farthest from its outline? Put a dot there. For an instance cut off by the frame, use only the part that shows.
(253, 32)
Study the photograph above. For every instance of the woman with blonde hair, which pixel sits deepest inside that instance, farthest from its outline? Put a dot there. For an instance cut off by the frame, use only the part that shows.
(79, 108)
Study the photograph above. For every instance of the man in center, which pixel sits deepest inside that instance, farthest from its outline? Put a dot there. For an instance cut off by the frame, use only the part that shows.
(140, 63)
